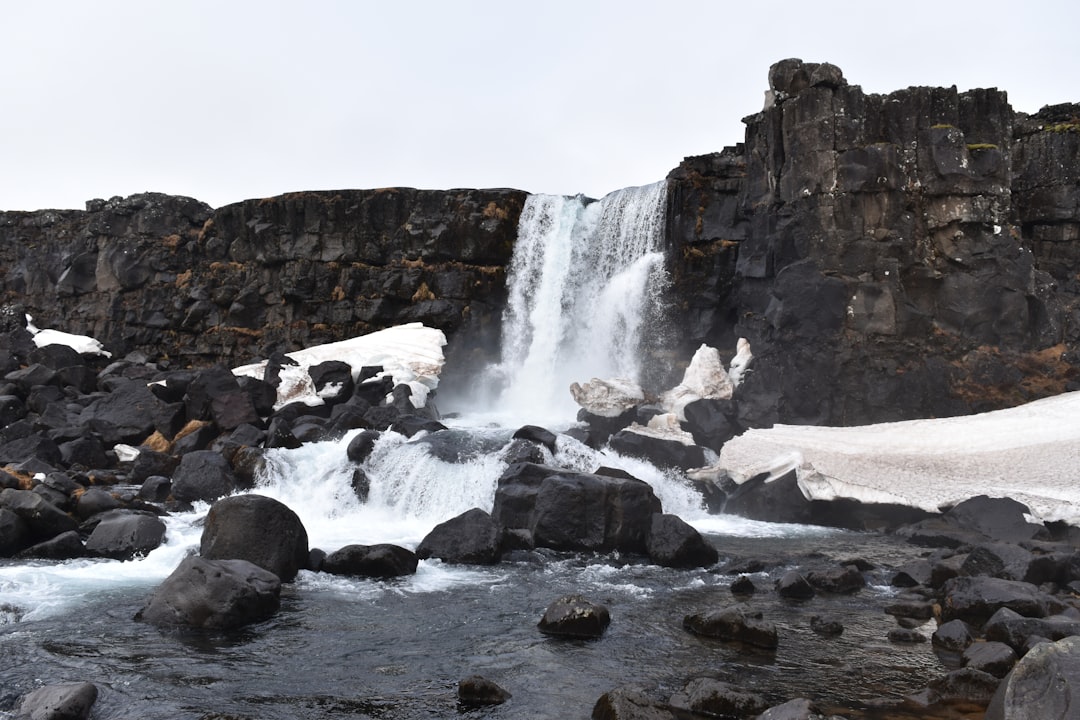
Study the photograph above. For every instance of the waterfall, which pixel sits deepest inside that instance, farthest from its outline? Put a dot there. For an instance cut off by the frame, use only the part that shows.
(585, 279)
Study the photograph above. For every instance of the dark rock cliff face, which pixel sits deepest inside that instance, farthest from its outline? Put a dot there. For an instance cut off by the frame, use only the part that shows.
(888, 257)
(169, 276)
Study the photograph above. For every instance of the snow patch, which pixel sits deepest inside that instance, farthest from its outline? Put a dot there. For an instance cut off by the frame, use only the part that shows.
(410, 354)
(81, 344)
(608, 398)
(1029, 453)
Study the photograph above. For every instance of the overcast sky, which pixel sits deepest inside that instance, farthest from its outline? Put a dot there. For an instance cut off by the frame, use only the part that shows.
(224, 101)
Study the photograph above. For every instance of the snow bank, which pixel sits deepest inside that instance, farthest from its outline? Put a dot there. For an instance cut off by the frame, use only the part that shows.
(79, 343)
(410, 354)
(1030, 453)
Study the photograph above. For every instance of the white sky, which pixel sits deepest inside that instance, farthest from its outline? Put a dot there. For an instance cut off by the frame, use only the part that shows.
(224, 101)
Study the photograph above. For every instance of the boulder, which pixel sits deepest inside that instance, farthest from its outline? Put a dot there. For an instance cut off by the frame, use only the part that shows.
(258, 529)
(95, 500)
(68, 701)
(954, 636)
(374, 561)
(794, 586)
(43, 519)
(629, 704)
(966, 686)
(797, 709)
(1044, 685)
(125, 414)
(64, 546)
(1016, 631)
(714, 698)
(743, 585)
(1001, 519)
(536, 434)
(711, 422)
(202, 475)
(975, 599)
(122, 535)
(155, 488)
(840, 579)
(409, 425)
(991, 657)
(476, 691)
(673, 543)
(660, 451)
(215, 394)
(332, 380)
(574, 616)
(14, 533)
(737, 623)
(564, 510)
(472, 537)
(213, 594)
(826, 626)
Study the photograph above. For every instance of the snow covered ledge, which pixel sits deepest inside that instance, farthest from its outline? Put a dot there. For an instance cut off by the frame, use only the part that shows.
(411, 354)
(1029, 453)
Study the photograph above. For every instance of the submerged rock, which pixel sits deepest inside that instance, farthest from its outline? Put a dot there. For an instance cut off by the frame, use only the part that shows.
(69, 701)
(479, 691)
(213, 594)
(738, 623)
(574, 616)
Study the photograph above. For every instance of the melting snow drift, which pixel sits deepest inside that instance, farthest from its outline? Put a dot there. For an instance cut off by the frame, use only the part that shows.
(1029, 453)
(411, 354)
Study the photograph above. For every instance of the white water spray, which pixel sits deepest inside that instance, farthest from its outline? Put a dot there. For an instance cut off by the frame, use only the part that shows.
(584, 278)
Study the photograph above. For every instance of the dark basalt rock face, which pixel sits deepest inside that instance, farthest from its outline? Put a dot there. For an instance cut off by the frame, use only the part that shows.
(887, 257)
(171, 276)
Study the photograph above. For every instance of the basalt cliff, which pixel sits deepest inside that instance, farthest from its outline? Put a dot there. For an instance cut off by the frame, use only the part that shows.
(888, 256)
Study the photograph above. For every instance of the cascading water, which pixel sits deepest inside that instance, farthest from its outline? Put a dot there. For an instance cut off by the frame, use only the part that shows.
(584, 280)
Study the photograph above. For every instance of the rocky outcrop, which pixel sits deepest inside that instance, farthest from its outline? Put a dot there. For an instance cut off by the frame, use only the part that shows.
(887, 256)
(170, 276)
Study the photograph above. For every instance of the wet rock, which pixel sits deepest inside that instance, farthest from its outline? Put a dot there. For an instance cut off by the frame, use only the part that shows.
(1042, 686)
(826, 626)
(213, 594)
(659, 451)
(574, 616)
(122, 535)
(202, 475)
(975, 599)
(95, 500)
(477, 691)
(472, 537)
(797, 709)
(375, 561)
(564, 510)
(1017, 631)
(906, 636)
(215, 394)
(64, 546)
(673, 543)
(539, 435)
(965, 686)
(258, 529)
(712, 422)
(14, 533)
(409, 425)
(991, 657)
(743, 586)
(43, 519)
(69, 701)
(713, 698)
(794, 586)
(954, 636)
(738, 623)
(155, 488)
(840, 579)
(629, 704)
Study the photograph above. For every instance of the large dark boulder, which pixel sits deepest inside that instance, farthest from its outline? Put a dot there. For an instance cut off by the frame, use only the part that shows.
(374, 561)
(714, 698)
(125, 414)
(976, 599)
(1001, 519)
(258, 529)
(122, 535)
(738, 623)
(1016, 631)
(472, 537)
(14, 533)
(202, 475)
(712, 422)
(215, 394)
(629, 704)
(64, 546)
(673, 543)
(564, 510)
(575, 617)
(68, 701)
(1044, 685)
(213, 594)
(43, 519)
(659, 451)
